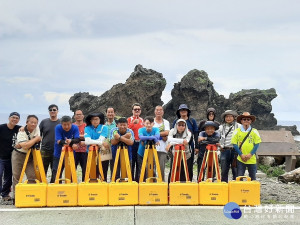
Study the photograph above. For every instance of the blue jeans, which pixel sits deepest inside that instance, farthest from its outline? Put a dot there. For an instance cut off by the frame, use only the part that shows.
(226, 160)
(54, 169)
(241, 168)
(6, 173)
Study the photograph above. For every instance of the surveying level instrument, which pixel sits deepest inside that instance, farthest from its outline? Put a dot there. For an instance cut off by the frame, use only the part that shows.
(153, 191)
(64, 194)
(32, 193)
(123, 191)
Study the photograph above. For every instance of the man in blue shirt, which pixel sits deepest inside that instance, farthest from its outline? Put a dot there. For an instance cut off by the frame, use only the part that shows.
(121, 134)
(66, 133)
(146, 133)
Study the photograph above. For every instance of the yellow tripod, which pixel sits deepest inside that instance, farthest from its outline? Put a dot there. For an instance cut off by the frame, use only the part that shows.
(28, 194)
(122, 155)
(38, 166)
(93, 157)
(67, 157)
(149, 155)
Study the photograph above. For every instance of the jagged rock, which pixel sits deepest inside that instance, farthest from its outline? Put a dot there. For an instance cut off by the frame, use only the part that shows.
(144, 86)
(196, 90)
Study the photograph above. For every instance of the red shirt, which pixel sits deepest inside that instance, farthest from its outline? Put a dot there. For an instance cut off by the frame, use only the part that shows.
(81, 148)
(135, 127)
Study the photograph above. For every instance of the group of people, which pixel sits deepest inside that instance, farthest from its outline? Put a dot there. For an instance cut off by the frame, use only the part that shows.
(236, 139)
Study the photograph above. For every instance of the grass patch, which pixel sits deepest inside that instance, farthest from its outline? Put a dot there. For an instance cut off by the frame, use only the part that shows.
(274, 171)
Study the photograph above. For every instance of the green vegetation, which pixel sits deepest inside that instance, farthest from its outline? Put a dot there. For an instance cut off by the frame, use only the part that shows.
(271, 171)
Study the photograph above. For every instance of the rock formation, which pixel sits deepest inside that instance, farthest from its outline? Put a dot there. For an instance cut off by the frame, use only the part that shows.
(197, 91)
(144, 86)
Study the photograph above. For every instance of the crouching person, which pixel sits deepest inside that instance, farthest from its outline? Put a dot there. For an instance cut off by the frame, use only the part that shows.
(26, 139)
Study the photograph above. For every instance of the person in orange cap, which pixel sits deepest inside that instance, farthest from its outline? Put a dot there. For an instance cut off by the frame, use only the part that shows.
(245, 140)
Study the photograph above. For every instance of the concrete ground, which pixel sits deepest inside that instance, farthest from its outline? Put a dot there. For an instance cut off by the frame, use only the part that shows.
(160, 215)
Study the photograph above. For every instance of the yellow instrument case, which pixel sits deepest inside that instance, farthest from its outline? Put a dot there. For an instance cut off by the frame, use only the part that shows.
(123, 192)
(183, 193)
(93, 194)
(244, 192)
(62, 194)
(213, 193)
(31, 195)
(153, 193)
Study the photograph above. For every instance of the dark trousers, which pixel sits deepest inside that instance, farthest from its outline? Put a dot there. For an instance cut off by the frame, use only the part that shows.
(47, 157)
(190, 163)
(226, 159)
(105, 168)
(241, 168)
(134, 163)
(81, 158)
(6, 175)
(54, 169)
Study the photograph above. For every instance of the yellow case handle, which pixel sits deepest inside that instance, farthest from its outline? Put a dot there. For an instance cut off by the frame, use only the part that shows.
(67, 181)
(36, 181)
(240, 177)
(122, 180)
(153, 179)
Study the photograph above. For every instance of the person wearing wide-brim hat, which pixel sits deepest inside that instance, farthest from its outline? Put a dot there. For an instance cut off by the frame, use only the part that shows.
(210, 135)
(95, 133)
(245, 115)
(228, 155)
(183, 112)
(246, 141)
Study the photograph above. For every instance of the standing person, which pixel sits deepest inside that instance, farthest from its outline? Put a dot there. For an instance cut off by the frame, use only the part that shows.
(164, 129)
(180, 134)
(184, 113)
(47, 129)
(66, 133)
(226, 129)
(25, 139)
(210, 116)
(146, 133)
(135, 122)
(80, 153)
(246, 141)
(8, 137)
(121, 134)
(95, 133)
(110, 123)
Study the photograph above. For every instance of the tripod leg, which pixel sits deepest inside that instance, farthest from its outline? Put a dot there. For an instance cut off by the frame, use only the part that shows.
(24, 166)
(201, 174)
(88, 166)
(187, 177)
(158, 171)
(127, 164)
(100, 167)
(113, 177)
(150, 169)
(174, 166)
(143, 168)
(72, 166)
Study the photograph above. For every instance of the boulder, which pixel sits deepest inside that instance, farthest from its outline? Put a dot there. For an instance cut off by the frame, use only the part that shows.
(144, 86)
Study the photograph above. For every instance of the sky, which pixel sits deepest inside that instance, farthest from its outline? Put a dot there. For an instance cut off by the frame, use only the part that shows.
(50, 50)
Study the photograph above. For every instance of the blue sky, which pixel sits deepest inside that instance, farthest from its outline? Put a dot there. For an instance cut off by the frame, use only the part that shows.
(50, 50)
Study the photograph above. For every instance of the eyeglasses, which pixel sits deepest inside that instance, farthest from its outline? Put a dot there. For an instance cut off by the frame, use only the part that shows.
(181, 125)
(246, 119)
(137, 109)
(52, 110)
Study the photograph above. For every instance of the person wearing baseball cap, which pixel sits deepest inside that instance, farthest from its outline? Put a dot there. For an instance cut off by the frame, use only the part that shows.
(8, 136)
(246, 141)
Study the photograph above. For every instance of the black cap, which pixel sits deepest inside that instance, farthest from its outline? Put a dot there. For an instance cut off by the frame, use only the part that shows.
(15, 114)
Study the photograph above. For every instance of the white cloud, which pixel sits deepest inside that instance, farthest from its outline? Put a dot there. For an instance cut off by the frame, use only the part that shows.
(60, 98)
(28, 96)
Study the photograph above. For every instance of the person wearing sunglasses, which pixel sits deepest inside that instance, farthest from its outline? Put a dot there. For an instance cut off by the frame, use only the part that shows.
(135, 122)
(246, 141)
(47, 129)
